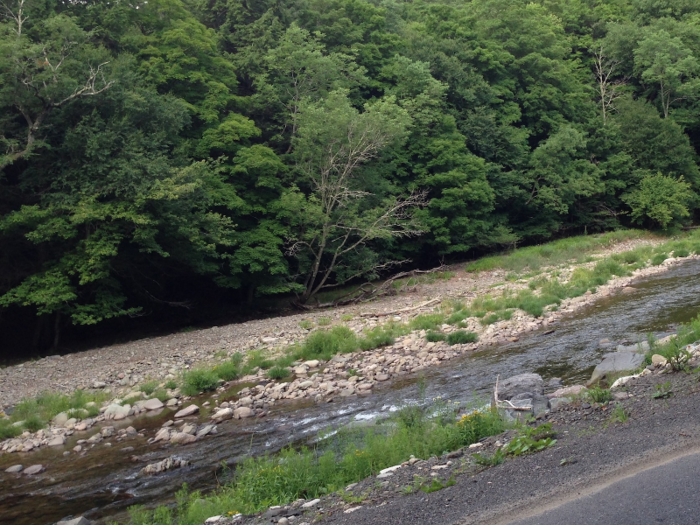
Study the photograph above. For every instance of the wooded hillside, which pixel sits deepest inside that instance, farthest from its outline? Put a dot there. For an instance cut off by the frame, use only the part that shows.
(155, 154)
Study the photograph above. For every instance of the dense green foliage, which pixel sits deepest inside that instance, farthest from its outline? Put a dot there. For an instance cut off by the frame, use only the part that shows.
(152, 152)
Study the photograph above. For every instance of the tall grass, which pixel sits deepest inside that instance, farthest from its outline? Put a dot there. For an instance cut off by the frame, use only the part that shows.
(37, 412)
(346, 457)
(572, 249)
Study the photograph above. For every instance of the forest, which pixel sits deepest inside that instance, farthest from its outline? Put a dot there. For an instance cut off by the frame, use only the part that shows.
(165, 157)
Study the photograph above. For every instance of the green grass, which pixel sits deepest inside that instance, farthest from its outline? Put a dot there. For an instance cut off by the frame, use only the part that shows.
(279, 372)
(37, 412)
(346, 457)
(149, 387)
(323, 321)
(572, 249)
(306, 324)
(658, 259)
(434, 337)
(427, 321)
(324, 344)
(199, 380)
(8, 429)
(383, 335)
(461, 337)
(599, 395)
(170, 384)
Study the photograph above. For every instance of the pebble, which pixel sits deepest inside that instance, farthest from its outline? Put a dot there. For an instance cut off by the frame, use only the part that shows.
(14, 469)
(190, 410)
(34, 469)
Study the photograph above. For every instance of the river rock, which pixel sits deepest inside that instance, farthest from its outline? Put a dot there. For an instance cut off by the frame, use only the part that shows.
(628, 290)
(60, 419)
(557, 402)
(58, 441)
(162, 435)
(573, 390)
(117, 412)
(312, 364)
(524, 391)
(14, 469)
(243, 412)
(222, 414)
(189, 429)
(658, 360)
(182, 438)
(75, 521)
(616, 363)
(639, 348)
(206, 429)
(188, 411)
(169, 463)
(34, 469)
(153, 404)
(311, 503)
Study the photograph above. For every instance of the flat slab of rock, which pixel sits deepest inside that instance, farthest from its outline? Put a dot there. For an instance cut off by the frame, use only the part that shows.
(58, 441)
(34, 469)
(182, 438)
(243, 412)
(188, 411)
(75, 521)
(14, 469)
(573, 390)
(616, 363)
(153, 404)
(524, 391)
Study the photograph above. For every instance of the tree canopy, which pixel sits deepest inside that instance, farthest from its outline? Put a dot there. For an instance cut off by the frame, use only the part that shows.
(154, 154)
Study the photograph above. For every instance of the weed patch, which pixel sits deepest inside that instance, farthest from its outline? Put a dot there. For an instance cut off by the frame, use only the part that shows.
(461, 337)
(199, 380)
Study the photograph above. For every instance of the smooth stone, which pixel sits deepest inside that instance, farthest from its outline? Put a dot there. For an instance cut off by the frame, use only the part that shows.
(207, 429)
(58, 441)
(75, 521)
(14, 469)
(182, 438)
(190, 410)
(568, 391)
(615, 364)
(659, 360)
(556, 402)
(311, 503)
(60, 419)
(629, 290)
(162, 435)
(242, 413)
(381, 377)
(223, 414)
(153, 404)
(390, 469)
(34, 469)
(214, 519)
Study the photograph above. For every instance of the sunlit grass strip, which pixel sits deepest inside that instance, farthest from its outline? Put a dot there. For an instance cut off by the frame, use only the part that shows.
(345, 458)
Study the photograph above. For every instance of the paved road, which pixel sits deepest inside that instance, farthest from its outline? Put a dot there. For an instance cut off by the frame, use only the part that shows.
(668, 494)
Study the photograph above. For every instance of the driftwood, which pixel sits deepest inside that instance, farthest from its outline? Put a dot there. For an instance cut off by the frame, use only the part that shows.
(369, 291)
(510, 406)
(402, 310)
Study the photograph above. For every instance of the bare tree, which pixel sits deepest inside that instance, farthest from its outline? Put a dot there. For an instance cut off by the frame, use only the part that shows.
(340, 218)
(609, 89)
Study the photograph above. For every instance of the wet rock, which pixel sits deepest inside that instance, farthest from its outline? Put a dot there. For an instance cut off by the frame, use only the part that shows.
(243, 412)
(189, 429)
(616, 363)
(628, 290)
(153, 404)
(75, 521)
(117, 412)
(14, 469)
(222, 415)
(171, 402)
(181, 438)
(190, 410)
(205, 430)
(162, 435)
(58, 441)
(34, 469)
(107, 431)
(169, 463)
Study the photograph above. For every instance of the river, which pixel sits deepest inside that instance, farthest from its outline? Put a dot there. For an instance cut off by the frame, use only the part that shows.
(104, 483)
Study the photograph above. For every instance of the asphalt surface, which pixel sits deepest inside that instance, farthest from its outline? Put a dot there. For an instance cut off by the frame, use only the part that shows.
(668, 494)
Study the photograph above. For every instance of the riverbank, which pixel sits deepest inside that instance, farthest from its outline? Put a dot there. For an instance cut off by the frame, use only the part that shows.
(441, 311)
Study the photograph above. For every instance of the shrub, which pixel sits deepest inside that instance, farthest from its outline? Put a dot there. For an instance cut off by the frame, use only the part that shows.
(278, 372)
(170, 385)
(427, 321)
(8, 430)
(434, 337)
(228, 371)
(461, 337)
(148, 387)
(199, 380)
(458, 317)
(379, 336)
(306, 324)
(324, 344)
(659, 258)
(257, 359)
(34, 423)
(324, 321)
(599, 395)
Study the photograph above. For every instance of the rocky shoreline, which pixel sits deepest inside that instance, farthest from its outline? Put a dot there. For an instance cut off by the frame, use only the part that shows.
(344, 375)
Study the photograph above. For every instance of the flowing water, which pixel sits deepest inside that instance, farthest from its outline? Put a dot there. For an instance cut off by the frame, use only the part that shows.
(104, 483)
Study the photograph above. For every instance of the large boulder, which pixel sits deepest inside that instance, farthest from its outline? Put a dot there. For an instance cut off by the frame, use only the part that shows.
(615, 364)
(524, 391)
